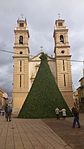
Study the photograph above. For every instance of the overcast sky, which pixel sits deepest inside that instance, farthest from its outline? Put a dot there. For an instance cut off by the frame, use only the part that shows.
(41, 16)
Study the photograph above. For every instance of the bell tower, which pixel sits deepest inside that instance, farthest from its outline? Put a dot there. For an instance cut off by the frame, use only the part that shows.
(63, 63)
(21, 64)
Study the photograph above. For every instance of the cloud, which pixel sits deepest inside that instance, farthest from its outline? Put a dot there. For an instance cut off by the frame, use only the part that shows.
(41, 16)
(6, 78)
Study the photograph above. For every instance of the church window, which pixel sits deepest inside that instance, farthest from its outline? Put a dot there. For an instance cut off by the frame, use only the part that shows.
(32, 78)
(21, 24)
(21, 52)
(37, 66)
(20, 65)
(60, 24)
(20, 81)
(62, 51)
(62, 38)
(21, 40)
(64, 80)
(63, 65)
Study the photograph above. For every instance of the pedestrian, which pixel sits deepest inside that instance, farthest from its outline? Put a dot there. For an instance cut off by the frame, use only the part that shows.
(57, 111)
(75, 112)
(63, 113)
(8, 112)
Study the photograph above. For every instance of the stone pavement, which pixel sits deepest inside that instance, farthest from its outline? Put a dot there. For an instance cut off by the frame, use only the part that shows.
(28, 134)
(74, 137)
(41, 134)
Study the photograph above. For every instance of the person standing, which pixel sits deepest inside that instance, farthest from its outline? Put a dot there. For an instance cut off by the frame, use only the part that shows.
(63, 113)
(75, 112)
(8, 112)
(57, 112)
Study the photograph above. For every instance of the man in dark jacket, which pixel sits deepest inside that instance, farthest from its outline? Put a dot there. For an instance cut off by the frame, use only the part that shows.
(8, 111)
(75, 112)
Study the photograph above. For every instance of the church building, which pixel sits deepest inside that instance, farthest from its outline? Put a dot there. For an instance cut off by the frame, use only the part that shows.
(26, 67)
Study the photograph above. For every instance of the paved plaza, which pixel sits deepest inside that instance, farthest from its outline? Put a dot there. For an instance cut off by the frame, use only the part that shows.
(40, 134)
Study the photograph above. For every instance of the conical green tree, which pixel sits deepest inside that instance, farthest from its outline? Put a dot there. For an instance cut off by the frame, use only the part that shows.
(44, 95)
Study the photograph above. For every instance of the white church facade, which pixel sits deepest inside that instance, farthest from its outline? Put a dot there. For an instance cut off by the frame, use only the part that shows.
(26, 67)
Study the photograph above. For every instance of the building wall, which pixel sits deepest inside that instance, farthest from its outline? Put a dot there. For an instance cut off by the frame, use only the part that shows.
(21, 65)
(81, 94)
(63, 63)
(1, 97)
(60, 65)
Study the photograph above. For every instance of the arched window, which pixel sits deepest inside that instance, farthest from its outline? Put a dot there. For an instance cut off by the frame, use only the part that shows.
(64, 80)
(21, 24)
(21, 40)
(62, 38)
(63, 65)
(20, 65)
(20, 81)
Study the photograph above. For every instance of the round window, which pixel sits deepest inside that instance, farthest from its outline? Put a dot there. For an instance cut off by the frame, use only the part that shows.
(62, 51)
(21, 52)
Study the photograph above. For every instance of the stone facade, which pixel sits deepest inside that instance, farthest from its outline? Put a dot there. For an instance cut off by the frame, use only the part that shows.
(81, 94)
(26, 67)
(3, 97)
(21, 64)
(63, 63)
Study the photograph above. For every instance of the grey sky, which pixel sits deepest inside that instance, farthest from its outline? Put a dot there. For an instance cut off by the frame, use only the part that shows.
(41, 16)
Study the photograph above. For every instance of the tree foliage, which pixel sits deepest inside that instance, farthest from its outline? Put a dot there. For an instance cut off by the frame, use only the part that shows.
(44, 95)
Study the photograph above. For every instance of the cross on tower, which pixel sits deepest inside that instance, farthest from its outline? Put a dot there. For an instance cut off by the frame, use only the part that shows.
(41, 48)
(58, 16)
(22, 15)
